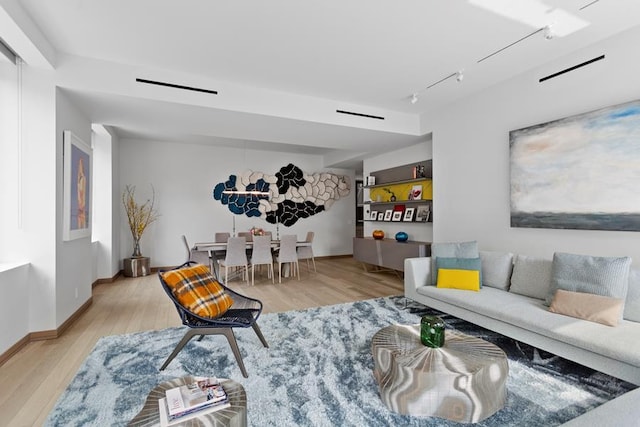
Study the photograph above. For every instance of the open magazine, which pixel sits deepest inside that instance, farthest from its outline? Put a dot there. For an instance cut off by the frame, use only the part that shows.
(201, 396)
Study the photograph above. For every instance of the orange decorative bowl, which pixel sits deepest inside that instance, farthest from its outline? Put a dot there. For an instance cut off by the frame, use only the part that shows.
(378, 234)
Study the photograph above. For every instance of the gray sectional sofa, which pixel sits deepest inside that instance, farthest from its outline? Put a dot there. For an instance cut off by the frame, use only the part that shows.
(512, 302)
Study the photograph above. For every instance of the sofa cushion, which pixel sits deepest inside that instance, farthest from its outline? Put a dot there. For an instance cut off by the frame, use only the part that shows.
(496, 269)
(452, 250)
(606, 276)
(632, 302)
(531, 276)
(459, 264)
(459, 279)
(594, 308)
(196, 289)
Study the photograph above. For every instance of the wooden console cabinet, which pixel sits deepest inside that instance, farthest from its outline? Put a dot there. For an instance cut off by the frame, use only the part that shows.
(387, 253)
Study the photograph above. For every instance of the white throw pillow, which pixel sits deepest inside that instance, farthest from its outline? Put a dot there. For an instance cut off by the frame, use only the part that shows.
(451, 250)
(496, 269)
(531, 276)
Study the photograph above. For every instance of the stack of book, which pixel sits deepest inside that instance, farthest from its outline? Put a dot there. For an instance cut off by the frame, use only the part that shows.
(192, 400)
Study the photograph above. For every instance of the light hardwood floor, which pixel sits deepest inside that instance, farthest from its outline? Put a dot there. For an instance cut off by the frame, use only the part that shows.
(33, 379)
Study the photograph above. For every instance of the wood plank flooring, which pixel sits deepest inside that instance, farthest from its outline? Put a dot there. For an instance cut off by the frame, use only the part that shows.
(33, 379)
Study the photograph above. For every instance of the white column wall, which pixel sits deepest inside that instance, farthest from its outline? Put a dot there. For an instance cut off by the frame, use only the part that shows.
(184, 176)
(471, 151)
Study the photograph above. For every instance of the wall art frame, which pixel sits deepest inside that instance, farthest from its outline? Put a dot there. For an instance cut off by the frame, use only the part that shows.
(77, 197)
(578, 172)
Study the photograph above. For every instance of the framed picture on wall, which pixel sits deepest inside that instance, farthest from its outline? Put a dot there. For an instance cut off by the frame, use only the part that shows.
(422, 213)
(397, 216)
(387, 215)
(373, 215)
(77, 187)
(408, 214)
(380, 216)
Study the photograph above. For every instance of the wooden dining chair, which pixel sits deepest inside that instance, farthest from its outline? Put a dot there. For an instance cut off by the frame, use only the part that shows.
(236, 257)
(305, 250)
(221, 237)
(261, 255)
(288, 254)
(246, 235)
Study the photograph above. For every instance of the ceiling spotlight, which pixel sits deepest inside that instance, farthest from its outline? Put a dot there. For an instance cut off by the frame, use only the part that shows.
(459, 76)
(414, 98)
(548, 32)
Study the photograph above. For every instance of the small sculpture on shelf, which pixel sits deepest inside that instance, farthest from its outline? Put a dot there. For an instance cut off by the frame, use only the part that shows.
(378, 234)
(392, 197)
(401, 236)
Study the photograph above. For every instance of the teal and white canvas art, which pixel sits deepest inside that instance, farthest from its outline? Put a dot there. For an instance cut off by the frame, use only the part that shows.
(579, 172)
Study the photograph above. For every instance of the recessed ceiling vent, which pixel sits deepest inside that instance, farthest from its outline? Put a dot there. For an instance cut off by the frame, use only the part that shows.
(368, 116)
(175, 86)
(575, 67)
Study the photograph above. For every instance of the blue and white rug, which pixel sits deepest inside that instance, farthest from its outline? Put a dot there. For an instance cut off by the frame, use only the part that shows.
(317, 372)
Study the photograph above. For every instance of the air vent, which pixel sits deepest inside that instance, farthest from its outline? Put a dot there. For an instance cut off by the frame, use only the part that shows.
(351, 113)
(175, 86)
(575, 67)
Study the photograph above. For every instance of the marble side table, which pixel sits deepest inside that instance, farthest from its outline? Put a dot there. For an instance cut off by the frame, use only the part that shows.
(462, 381)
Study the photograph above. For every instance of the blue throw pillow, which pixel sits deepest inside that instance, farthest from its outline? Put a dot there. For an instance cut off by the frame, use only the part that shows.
(459, 264)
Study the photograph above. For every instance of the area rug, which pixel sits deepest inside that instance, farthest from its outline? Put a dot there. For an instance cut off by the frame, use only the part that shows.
(317, 372)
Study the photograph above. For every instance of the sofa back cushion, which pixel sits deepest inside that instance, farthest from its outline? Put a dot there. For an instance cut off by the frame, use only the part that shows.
(451, 250)
(591, 307)
(606, 276)
(632, 303)
(496, 269)
(459, 264)
(531, 276)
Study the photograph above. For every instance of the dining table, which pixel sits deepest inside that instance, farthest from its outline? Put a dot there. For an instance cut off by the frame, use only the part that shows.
(210, 250)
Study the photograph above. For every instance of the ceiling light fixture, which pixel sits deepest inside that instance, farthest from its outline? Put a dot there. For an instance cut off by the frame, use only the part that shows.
(247, 192)
(414, 98)
(548, 32)
(459, 76)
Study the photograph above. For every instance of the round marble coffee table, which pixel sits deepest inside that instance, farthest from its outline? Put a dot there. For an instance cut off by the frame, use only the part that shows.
(463, 381)
(233, 416)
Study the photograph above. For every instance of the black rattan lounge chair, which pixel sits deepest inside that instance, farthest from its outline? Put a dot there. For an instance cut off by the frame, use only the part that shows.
(243, 313)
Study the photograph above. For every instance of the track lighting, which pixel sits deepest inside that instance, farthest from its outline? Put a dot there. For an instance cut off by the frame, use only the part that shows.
(459, 76)
(414, 98)
(548, 32)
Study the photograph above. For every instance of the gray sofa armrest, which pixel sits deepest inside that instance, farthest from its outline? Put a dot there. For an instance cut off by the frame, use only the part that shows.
(417, 273)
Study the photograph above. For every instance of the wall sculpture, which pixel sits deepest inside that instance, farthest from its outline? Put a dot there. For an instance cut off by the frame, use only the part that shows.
(290, 194)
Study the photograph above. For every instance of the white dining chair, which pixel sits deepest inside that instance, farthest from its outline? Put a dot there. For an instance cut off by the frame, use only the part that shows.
(305, 250)
(236, 257)
(288, 254)
(221, 237)
(261, 255)
(201, 257)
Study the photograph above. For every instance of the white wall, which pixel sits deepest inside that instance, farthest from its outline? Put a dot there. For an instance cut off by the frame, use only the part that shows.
(471, 151)
(184, 176)
(74, 259)
(417, 231)
(106, 204)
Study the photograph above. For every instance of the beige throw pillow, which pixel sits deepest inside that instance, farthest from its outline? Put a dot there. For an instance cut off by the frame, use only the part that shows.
(595, 308)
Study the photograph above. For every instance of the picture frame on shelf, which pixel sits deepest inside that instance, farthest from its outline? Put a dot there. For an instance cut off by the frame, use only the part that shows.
(380, 216)
(422, 213)
(408, 214)
(373, 215)
(397, 216)
(388, 214)
(416, 192)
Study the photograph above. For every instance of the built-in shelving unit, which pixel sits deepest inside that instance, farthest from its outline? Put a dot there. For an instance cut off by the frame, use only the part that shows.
(400, 194)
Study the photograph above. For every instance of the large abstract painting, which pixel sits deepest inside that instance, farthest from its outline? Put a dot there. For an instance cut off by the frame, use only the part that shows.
(580, 172)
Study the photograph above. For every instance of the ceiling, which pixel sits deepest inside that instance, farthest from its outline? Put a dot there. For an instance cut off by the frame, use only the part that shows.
(370, 54)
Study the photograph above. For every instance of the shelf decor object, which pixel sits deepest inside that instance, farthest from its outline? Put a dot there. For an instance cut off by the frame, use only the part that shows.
(401, 236)
(432, 331)
(378, 234)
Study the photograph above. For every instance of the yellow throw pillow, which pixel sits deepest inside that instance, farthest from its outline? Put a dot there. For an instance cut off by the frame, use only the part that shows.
(196, 289)
(458, 279)
(591, 307)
